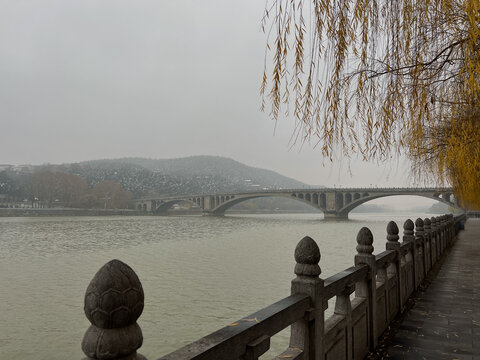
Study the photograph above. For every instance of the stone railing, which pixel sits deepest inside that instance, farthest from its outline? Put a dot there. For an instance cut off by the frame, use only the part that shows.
(367, 297)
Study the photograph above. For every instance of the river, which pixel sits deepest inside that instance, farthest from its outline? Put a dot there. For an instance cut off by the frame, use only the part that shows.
(198, 273)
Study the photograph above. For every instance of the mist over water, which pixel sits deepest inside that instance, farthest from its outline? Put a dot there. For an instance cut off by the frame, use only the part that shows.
(198, 273)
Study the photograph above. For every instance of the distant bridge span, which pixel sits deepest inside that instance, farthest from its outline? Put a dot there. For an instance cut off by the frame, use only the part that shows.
(335, 203)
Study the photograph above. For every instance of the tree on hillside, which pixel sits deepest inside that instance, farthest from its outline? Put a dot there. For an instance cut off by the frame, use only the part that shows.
(111, 195)
(42, 187)
(9, 185)
(70, 189)
(382, 77)
(55, 187)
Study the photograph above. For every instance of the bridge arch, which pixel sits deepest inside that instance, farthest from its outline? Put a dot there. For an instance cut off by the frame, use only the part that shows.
(344, 210)
(166, 205)
(220, 210)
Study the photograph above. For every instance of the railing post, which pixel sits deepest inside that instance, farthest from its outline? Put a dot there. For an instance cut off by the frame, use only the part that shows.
(451, 234)
(453, 225)
(368, 288)
(393, 244)
(420, 246)
(435, 236)
(440, 234)
(428, 241)
(113, 303)
(408, 237)
(343, 307)
(445, 225)
(308, 333)
(445, 231)
(441, 228)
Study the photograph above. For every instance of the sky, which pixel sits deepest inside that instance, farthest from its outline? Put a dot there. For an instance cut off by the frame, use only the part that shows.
(89, 79)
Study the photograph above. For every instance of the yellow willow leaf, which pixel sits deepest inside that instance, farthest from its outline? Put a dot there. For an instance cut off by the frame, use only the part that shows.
(425, 53)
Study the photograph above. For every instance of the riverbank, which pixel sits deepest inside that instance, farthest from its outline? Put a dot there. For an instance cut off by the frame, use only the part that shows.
(13, 212)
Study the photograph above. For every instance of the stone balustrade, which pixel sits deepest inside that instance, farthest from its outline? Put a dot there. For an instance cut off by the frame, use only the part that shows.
(368, 296)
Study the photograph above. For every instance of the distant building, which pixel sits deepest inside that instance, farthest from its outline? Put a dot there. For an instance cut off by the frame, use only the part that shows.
(22, 168)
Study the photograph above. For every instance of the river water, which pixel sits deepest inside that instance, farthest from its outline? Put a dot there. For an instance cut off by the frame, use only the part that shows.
(198, 273)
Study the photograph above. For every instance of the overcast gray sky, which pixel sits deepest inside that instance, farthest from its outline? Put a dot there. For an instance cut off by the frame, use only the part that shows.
(89, 79)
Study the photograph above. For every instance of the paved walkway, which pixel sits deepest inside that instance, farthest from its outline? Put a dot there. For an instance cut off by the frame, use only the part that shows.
(444, 323)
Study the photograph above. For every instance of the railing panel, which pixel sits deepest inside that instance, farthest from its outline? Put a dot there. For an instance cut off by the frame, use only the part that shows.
(385, 258)
(230, 342)
(392, 293)
(360, 328)
(336, 343)
(381, 317)
(334, 285)
(409, 276)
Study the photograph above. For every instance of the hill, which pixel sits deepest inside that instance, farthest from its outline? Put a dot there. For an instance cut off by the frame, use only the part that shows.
(183, 176)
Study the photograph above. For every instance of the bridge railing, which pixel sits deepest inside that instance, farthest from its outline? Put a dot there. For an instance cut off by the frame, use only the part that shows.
(368, 296)
(305, 189)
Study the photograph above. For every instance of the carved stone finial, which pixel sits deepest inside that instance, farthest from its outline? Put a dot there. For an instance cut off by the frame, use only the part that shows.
(419, 228)
(307, 256)
(408, 227)
(427, 224)
(113, 302)
(419, 224)
(365, 241)
(392, 236)
(441, 221)
(392, 231)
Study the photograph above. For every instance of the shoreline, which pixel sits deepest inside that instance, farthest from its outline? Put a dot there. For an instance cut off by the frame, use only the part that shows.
(45, 212)
(37, 212)
(32, 212)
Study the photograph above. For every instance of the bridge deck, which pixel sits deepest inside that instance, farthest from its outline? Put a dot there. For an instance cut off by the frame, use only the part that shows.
(444, 323)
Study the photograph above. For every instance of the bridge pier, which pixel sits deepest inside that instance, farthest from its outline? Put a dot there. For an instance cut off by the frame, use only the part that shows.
(211, 213)
(333, 215)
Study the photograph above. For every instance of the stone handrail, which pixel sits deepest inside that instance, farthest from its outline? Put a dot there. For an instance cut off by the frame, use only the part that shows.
(381, 285)
(249, 336)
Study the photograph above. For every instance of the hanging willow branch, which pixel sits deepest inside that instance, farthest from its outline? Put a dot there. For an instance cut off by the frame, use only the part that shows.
(372, 77)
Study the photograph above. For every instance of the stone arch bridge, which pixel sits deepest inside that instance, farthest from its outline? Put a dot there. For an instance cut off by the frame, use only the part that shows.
(335, 203)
